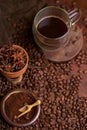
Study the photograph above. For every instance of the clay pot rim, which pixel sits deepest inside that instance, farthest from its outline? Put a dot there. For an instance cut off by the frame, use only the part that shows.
(11, 74)
(4, 113)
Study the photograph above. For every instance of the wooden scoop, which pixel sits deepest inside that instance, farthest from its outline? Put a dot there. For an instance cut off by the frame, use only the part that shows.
(27, 108)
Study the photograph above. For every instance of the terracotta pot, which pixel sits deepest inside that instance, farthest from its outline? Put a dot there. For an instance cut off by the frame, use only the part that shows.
(11, 104)
(13, 75)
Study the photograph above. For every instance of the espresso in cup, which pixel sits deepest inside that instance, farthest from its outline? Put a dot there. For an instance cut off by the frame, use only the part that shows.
(52, 27)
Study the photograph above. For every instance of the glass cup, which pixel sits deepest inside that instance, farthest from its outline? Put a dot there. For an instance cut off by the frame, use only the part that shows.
(67, 18)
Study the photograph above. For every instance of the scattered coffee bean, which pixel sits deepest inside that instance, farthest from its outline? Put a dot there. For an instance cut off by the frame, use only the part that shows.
(53, 83)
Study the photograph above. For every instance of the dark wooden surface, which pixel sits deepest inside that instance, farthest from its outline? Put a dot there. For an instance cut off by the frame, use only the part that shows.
(11, 12)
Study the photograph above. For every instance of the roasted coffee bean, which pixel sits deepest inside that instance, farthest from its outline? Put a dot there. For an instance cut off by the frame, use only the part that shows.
(53, 83)
(81, 58)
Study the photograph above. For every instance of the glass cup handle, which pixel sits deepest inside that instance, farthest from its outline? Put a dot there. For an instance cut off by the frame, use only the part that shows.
(75, 15)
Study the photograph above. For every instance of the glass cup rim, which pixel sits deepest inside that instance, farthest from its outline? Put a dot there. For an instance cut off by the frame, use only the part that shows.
(48, 7)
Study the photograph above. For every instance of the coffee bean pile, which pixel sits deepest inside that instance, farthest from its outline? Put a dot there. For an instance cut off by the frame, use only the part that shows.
(54, 84)
(57, 88)
(81, 58)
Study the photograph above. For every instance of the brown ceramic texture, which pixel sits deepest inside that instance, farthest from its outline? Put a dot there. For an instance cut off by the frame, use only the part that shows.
(25, 97)
(20, 72)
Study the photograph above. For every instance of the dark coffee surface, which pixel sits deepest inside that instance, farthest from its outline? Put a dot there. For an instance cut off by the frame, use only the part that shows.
(52, 27)
(19, 99)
